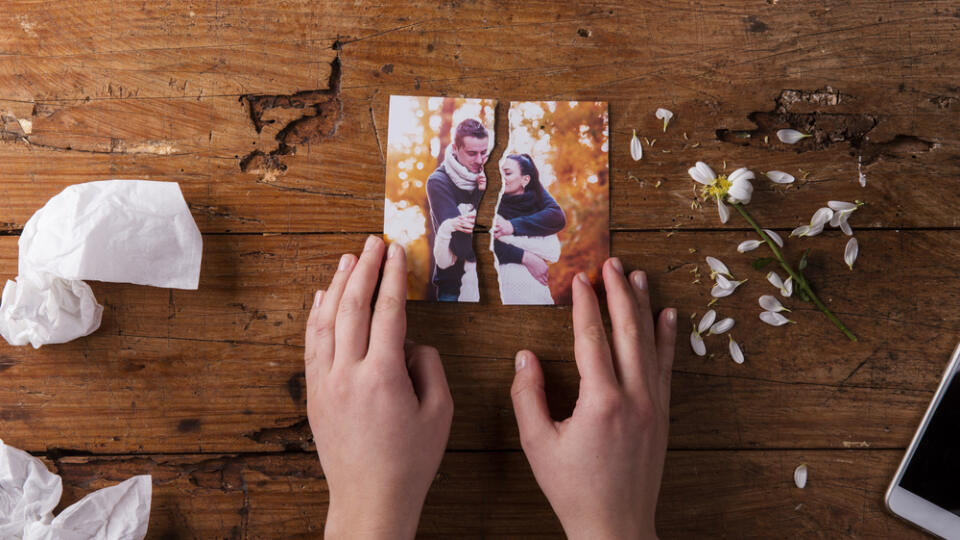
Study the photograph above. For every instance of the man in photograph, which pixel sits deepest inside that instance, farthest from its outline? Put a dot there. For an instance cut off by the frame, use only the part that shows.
(454, 191)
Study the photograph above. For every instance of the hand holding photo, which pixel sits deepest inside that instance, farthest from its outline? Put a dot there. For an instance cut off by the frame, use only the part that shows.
(552, 218)
(436, 150)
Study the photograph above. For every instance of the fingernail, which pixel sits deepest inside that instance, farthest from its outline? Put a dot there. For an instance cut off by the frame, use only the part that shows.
(371, 243)
(582, 276)
(521, 360)
(671, 315)
(394, 250)
(640, 279)
(344, 262)
(317, 298)
(617, 265)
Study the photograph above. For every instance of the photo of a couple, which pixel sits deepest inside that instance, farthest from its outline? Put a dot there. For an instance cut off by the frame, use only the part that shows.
(437, 149)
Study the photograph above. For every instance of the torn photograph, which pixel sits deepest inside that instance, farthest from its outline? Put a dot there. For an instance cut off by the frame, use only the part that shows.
(553, 214)
(436, 150)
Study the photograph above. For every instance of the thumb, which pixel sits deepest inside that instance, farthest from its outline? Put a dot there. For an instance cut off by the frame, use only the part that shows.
(529, 399)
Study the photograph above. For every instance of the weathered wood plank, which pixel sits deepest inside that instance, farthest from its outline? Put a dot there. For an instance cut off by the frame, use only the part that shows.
(481, 495)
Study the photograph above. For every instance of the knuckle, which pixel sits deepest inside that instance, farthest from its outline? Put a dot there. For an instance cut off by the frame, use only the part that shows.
(388, 303)
(609, 404)
(631, 330)
(351, 305)
(594, 333)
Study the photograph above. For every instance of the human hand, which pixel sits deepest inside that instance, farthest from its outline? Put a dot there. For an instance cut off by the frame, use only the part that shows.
(501, 227)
(463, 223)
(537, 267)
(601, 468)
(380, 409)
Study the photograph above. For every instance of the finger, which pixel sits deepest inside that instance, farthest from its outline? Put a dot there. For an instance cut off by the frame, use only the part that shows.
(633, 343)
(666, 345)
(314, 363)
(589, 338)
(388, 327)
(530, 401)
(324, 334)
(353, 315)
(544, 278)
(429, 380)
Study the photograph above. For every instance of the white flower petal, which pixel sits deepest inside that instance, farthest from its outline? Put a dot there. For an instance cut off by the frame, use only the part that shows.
(774, 236)
(813, 231)
(697, 343)
(722, 326)
(835, 220)
(720, 292)
(636, 149)
(735, 351)
(790, 136)
(723, 211)
(664, 115)
(780, 177)
(742, 173)
(845, 227)
(775, 280)
(707, 321)
(850, 252)
(800, 475)
(770, 303)
(773, 318)
(723, 282)
(840, 206)
(706, 172)
(821, 217)
(787, 289)
(717, 267)
(741, 191)
(748, 245)
(802, 230)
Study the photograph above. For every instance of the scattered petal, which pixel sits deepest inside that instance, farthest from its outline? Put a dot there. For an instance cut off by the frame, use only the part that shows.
(791, 136)
(787, 290)
(773, 318)
(775, 280)
(774, 236)
(707, 321)
(780, 177)
(697, 343)
(770, 303)
(841, 206)
(720, 292)
(845, 227)
(800, 475)
(723, 211)
(850, 252)
(717, 267)
(821, 217)
(636, 149)
(748, 245)
(802, 230)
(735, 351)
(721, 326)
(664, 115)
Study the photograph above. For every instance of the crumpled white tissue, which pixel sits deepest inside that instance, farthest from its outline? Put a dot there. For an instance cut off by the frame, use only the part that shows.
(29, 493)
(124, 231)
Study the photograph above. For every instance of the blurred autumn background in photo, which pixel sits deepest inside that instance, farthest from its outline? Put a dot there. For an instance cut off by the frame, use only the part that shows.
(419, 131)
(569, 142)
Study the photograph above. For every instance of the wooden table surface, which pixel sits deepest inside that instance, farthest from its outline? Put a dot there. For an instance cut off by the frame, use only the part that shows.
(272, 116)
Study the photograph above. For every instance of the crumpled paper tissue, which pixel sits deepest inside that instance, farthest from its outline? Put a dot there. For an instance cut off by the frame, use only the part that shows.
(29, 493)
(123, 231)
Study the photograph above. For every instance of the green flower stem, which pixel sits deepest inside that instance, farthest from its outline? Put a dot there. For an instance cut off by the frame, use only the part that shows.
(797, 278)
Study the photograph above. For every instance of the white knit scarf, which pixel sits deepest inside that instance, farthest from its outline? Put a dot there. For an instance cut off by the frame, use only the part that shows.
(461, 176)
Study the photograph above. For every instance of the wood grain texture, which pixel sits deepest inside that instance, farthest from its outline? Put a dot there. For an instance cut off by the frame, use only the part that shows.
(272, 116)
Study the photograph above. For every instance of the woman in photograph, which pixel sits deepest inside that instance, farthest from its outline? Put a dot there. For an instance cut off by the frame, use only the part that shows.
(525, 233)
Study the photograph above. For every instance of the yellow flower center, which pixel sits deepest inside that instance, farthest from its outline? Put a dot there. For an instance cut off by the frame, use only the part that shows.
(717, 189)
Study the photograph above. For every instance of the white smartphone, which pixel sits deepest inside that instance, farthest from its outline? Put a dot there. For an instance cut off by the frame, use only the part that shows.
(926, 489)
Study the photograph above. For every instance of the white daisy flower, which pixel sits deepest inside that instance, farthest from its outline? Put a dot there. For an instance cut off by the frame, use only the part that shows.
(780, 177)
(850, 252)
(841, 213)
(664, 115)
(791, 136)
(770, 303)
(819, 220)
(773, 318)
(636, 149)
(786, 287)
(735, 351)
(735, 188)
